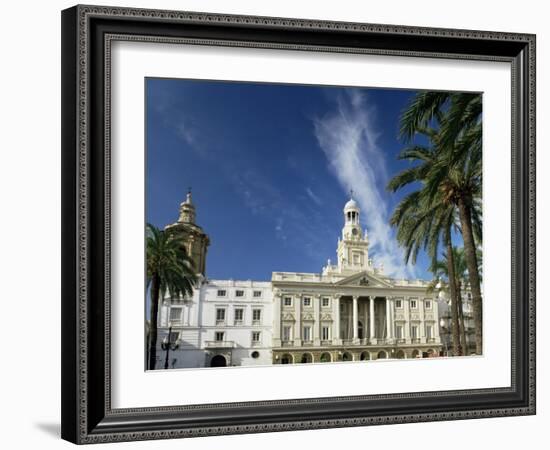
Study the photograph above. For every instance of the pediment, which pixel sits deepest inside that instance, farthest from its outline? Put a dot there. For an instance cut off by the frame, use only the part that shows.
(366, 279)
(289, 317)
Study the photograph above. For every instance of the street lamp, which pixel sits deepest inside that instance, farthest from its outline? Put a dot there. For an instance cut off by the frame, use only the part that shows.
(442, 323)
(167, 345)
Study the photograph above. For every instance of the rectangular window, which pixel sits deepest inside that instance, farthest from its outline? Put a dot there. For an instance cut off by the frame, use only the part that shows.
(239, 314)
(175, 314)
(414, 332)
(428, 304)
(398, 304)
(429, 331)
(413, 304)
(306, 334)
(257, 294)
(286, 333)
(287, 301)
(326, 302)
(222, 292)
(220, 315)
(256, 336)
(399, 332)
(307, 301)
(325, 333)
(219, 336)
(239, 293)
(256, 315)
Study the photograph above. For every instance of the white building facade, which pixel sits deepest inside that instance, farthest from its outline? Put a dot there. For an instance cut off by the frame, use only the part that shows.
(350, 311)
(226, 323)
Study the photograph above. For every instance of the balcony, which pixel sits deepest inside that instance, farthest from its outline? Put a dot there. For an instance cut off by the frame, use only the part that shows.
(219, 344)
(347, 342)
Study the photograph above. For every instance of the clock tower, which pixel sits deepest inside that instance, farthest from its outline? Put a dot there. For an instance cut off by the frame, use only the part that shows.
(353, 247)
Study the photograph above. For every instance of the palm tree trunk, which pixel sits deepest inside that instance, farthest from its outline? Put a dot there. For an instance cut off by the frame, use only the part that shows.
(154, 309)
(473, 271)
(452, 286)
(463, 341)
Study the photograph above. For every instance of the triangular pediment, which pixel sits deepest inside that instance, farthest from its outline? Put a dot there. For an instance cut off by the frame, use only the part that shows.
(366, 279)
(288, 317)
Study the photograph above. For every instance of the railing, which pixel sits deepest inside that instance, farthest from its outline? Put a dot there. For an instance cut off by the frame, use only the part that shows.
(220, 344)
(287, 343)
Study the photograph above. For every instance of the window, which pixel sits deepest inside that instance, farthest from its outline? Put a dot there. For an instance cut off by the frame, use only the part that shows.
(287, 333)
(428, 304)
(175, 314)
(398, 332)
(220, 315)
(256, 315)
(239, 313)
(287, 301)
(219, 336)
(239, 293)
(398, 304)
(307, 334)
(257, 294)
(222, 292)
(256, 336)
(326, 302)
(469, 296)
(325, 333)
(429, 330)
(414, 332)
(307, 301)
(413, 304)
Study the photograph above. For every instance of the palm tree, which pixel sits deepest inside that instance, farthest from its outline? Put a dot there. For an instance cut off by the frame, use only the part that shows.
(441, 274)
(458, 173)
(169, 269)
(422, 219)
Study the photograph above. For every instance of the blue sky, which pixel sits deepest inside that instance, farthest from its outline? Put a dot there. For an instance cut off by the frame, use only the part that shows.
(271, 166)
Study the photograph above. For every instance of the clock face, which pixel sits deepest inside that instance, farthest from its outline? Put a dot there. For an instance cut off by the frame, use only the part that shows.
(354, 231)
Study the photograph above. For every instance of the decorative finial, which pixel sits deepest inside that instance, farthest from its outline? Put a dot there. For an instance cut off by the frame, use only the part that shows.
(351, 193)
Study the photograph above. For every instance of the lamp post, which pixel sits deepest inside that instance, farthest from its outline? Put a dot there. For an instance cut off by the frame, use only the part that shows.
(167, 345)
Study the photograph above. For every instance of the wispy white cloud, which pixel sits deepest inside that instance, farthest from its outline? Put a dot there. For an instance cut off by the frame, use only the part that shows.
(313, 196)
(348, 137)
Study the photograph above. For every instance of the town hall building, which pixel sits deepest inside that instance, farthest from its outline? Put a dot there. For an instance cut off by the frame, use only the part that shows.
(350, 311)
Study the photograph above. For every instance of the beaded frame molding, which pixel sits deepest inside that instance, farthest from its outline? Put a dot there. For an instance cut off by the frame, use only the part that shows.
(87, 34)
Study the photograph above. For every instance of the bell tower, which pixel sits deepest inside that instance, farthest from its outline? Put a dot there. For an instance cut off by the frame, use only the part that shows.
(353, 247)
(196, 240)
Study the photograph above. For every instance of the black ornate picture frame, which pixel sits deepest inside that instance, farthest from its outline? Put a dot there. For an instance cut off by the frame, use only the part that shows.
(87, 34)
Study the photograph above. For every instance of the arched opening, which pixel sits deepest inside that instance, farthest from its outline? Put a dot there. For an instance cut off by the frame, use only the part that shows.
(218, 361)
(325, 357)
(400, 354)
(360, 330)
(347, 357)
(365, 356)
(306, 358)
(382, 355)
(287, 359)
(431, 353)
(416, 354)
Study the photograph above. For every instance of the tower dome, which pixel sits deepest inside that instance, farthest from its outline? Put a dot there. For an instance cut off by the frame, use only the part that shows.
(351, 205)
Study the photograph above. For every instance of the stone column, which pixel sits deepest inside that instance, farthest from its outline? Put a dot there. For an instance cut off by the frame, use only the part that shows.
(336, 320)
(422, 321)
(371, 316)
(355, 319)
(277, 300)
(388, 319)
(407, 313)
(298, 320)
(317, 319)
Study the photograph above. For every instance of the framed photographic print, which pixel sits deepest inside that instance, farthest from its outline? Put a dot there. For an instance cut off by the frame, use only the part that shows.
(281, 224)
